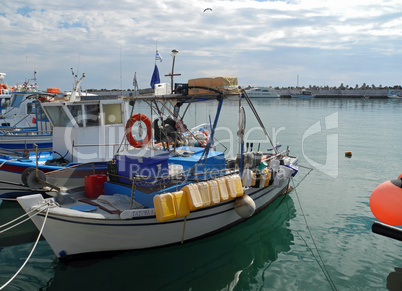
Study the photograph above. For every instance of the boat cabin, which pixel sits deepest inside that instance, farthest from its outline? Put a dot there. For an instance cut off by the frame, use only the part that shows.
(87, 130)
(19, 111)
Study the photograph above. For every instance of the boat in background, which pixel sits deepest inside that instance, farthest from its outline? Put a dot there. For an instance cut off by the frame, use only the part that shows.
(303, 94)
(157, 196)
(40, 134)
(262, 92)
(395, 94)
(18, 107)
(75, 138)
(5, 93)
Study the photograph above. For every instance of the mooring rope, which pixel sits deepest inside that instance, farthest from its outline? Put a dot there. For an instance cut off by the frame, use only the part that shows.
(33, 249)
(310, 170)
(20, 217)
(319, 259)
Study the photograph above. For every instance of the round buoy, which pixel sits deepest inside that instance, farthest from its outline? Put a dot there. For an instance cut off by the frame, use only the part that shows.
(386, 202)
(244, 206)
(33, 182)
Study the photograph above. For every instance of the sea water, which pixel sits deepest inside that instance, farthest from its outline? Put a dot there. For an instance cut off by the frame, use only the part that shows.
(316, 238)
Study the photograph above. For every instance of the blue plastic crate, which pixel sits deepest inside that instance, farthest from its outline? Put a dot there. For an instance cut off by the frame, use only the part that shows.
(152, 164)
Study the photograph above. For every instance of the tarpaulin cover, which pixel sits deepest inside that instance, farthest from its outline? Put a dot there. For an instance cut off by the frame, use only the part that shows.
(219, 83)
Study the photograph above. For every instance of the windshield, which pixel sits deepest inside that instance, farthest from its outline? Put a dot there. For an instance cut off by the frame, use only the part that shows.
(57, 116)
(16, 100)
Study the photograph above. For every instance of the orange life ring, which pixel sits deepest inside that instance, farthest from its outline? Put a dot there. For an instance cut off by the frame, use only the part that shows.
(53, 90)
(129, 134)
(4, 86)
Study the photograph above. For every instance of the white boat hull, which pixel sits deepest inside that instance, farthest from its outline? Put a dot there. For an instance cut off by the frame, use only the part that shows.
(302, 96)
(83, 233)
(262, 92)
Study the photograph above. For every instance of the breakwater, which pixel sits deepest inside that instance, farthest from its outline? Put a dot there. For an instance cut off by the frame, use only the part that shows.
(284, 93)
(337, 93)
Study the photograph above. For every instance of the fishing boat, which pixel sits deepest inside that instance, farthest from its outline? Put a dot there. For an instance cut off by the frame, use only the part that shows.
(154, 194)
(75, 138)
(303, 94)
(24, 138)
(17, 105)
(394, 94)
(262, 92)
(5, 93)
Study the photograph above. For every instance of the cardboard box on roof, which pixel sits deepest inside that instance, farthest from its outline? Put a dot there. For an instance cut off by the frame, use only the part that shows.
(229, 84)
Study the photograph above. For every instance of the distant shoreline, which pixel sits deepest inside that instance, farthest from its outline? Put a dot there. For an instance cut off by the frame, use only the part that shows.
(338, 93)
(284, 92)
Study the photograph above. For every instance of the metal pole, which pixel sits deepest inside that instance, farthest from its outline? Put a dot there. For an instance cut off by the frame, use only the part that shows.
(171, 84)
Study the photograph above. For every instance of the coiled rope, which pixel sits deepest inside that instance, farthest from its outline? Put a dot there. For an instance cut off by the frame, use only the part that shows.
(48, 206)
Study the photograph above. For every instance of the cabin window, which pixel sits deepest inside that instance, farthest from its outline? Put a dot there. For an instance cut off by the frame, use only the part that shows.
(5, 102)
(76, 112)
(92, 114)
(112, 113)
(58, 116)
(30, 108)
(16, 100)
(40, 114)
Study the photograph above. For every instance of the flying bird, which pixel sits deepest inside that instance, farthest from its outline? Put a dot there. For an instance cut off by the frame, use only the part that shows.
(207, 9)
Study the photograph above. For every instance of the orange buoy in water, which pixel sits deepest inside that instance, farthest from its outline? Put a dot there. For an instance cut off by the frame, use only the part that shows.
(386, 202)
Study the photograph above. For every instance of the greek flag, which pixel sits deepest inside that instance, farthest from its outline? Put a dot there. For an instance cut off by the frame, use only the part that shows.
(135, 83)
(158, 56)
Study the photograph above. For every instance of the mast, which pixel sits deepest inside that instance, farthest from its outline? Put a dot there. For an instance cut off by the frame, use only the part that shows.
(240, 134)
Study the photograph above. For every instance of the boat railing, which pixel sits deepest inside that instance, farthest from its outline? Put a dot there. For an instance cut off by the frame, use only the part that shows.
(185, 176)
(10, 153)
(75, 146)
(24, 133)
(271, 157)
(92, 165)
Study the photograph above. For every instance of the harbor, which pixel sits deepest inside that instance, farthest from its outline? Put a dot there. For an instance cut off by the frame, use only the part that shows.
(274, 248)
(220, 145)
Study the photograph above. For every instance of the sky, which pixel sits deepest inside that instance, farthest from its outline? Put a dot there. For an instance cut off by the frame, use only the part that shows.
(263, 43)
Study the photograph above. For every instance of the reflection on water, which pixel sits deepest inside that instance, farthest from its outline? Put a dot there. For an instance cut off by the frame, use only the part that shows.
(216, 263)
(36, 274)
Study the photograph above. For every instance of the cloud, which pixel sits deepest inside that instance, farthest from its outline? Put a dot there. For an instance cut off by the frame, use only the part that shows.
(261, 42)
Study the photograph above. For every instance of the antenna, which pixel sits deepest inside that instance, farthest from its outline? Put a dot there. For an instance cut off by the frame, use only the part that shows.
(121, 75)
(76, 89)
